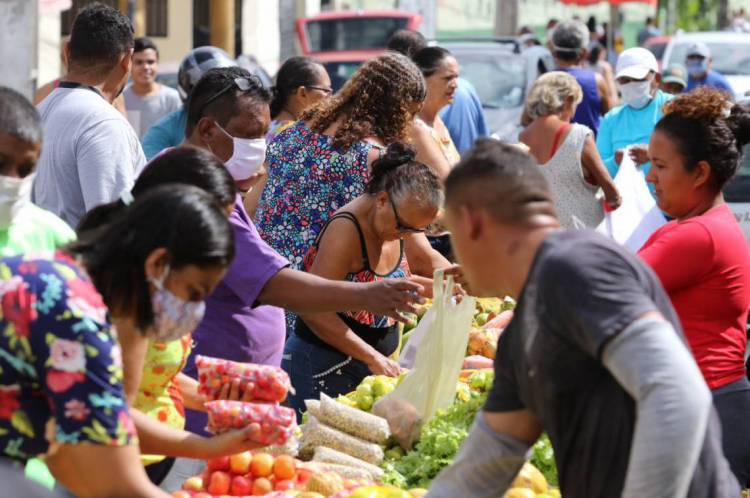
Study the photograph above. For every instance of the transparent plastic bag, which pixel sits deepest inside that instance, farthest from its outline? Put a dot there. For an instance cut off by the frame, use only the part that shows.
(353, 421)
(409, 354)
(329, 455)
(431, 384)
(316, 433)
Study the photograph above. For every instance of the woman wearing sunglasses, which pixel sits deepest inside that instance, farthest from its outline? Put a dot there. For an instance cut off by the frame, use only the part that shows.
(361, 242)
(300, 83)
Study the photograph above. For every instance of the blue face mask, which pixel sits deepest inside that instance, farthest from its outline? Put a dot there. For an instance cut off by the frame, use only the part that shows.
(697, 68)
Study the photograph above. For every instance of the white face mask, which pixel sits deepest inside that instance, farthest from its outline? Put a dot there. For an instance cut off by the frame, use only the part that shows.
(15, 193)
(247, 157)
(636, 94)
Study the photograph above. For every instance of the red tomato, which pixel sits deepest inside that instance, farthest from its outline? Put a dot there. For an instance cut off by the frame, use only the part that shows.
(219, 483)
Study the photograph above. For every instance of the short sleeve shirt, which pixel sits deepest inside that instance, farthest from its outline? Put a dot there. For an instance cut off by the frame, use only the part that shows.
(582, 291)
(34, 230)
(235, 327)
(60, 365)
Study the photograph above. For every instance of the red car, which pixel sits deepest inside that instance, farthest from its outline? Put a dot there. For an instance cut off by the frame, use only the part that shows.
(344, 40)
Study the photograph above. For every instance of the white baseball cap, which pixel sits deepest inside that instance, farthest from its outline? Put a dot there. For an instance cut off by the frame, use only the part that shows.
(636, 63)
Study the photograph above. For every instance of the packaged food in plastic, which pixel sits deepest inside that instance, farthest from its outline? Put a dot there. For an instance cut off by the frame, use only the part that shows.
(329, 455)
(277, 423)
(353, 421)
(266, 383)
(345, 471)
(291, 448)
(313, 407)
(315, 433)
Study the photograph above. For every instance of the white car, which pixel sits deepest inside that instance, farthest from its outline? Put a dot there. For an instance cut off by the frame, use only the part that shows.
(730, 52)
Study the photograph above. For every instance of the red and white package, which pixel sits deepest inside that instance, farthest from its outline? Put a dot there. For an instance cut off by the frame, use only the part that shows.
(265, 383)
(277, 423)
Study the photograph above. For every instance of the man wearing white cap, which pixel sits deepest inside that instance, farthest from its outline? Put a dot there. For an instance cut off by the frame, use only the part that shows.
(698, 63)
(631, 124)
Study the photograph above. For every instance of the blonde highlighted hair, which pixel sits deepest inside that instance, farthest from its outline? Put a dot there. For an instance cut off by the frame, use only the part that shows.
(550, 93)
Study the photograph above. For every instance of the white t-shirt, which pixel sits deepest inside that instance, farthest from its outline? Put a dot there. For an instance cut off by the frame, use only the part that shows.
(90, 153)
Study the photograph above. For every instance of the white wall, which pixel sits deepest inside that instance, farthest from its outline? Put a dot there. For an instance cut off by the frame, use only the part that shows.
(260, 32)
(18, 45)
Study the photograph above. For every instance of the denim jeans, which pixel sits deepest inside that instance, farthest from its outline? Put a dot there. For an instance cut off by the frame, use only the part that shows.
(314, 369)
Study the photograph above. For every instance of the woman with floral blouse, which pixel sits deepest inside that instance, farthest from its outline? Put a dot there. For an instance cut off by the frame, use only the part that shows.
(61, 392)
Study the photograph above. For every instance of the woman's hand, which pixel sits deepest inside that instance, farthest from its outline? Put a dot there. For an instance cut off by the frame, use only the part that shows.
(380, 365)
(612, 197)
(639, 154)
(390, 297)
(232, 442)
(235, 391)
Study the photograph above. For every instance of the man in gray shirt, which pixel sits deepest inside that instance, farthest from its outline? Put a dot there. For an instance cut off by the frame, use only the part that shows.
(146, 101)
(594, 356)
(91, 153)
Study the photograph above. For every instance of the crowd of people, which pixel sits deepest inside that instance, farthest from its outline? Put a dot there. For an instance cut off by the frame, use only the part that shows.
(294, 226)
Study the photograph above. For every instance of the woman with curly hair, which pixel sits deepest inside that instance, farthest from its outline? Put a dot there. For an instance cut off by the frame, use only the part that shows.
(324, 160)
(702, 257)
(566, 152)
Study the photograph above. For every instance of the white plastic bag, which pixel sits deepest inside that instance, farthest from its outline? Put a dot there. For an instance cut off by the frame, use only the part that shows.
(638, 217)
(409, 354)
(431, 384)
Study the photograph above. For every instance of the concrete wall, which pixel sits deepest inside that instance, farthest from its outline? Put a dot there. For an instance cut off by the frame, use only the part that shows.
(179, 39)
(18, 45)
(49, 65)
(260, 32)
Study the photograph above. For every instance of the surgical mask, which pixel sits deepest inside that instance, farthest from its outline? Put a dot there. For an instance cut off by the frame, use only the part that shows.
(247, 158)
(15, 193)
(697, 68)
(173, 317)
(636, 94)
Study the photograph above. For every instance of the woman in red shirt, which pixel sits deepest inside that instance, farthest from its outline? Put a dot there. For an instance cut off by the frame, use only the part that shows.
(702, 257)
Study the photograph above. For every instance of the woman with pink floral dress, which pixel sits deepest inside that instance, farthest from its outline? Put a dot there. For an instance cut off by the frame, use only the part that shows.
(61, 374)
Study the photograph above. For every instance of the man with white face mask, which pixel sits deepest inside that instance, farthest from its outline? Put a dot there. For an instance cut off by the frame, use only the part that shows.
(698, 63)
(24, 227)
(631, 124)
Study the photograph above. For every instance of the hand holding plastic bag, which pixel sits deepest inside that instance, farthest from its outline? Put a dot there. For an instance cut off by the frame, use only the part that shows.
(431, 384)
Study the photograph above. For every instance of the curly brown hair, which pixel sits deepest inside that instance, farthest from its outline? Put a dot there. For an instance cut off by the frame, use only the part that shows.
(376, 101)
(706, 126)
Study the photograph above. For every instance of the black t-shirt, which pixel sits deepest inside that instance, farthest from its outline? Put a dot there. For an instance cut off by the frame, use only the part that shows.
(582, 291)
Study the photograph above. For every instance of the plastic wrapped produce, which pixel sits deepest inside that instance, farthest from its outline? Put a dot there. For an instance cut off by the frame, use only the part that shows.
(353, 421)
(277, 423)
(313, 407)
(315, 433)
(291, 448)
(266, 383)
(329, 455)
(345, 471)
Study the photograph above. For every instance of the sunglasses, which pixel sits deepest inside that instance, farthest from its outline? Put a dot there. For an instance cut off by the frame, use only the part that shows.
(241, 84)
(326, 90)
(400, 226)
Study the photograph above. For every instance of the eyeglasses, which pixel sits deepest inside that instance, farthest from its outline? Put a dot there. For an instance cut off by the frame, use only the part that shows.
(241, 84)
(400, 225)
(326, 90)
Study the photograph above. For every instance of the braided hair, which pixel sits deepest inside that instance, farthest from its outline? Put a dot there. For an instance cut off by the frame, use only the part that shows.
(374, 102)
(401, 177)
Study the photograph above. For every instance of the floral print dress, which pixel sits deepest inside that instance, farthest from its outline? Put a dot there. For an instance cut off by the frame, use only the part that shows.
(60, 365)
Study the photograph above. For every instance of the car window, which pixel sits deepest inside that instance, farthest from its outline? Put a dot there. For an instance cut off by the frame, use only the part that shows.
(352, 34)
(340, 72)
(738, 189)
(500, 79)
(730, 58)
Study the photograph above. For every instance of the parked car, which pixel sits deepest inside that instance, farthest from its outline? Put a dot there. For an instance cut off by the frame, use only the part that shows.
(730, 52)
(499, 73)
(342, 41)
(737, 192)
(658, 45)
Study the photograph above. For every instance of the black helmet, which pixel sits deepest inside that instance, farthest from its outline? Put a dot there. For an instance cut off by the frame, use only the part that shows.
(196, 63)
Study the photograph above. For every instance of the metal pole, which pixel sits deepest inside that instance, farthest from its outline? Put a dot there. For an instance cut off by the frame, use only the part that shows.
(223, 24)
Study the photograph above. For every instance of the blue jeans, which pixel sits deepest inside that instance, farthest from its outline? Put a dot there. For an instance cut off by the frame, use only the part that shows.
(314, 369)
